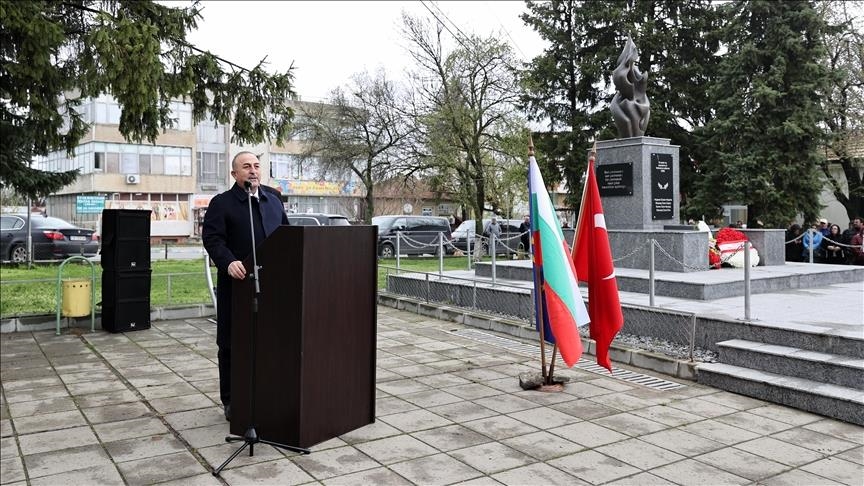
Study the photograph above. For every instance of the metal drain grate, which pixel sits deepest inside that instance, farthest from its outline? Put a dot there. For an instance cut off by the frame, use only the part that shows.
(533, 350)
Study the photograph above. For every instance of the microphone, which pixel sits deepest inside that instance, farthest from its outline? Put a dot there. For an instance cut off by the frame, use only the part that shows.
(247, 185)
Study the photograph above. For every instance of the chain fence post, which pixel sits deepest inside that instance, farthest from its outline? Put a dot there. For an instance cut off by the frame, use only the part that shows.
(747, 280)
(398, 251)
(812, 234)
(493, 252)
(427, 288)
(692, 334)
(474, 295)
(468, 239)
(652, 242)
(440, 253)
(169, 289)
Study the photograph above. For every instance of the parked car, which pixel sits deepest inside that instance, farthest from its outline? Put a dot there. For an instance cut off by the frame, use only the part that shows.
(419, 234)
(508, 242)
(53, 238)
(317, 219)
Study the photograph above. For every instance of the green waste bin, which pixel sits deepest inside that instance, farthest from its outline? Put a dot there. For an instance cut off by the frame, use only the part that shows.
(76, 298)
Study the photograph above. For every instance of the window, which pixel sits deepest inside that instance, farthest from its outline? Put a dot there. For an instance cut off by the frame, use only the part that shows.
(281, 166)
(129, 160)
(426, 211)
(181, 113)
(208, 131)
(211, 167)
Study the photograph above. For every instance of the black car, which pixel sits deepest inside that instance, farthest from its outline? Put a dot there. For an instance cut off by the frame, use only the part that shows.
(317, 219)
(53, 238)
(419, 235)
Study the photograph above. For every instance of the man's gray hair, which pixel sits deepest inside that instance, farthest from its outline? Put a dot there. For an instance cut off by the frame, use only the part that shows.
(244, 152)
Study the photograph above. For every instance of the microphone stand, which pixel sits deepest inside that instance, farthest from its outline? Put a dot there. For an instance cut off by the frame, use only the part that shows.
(250, 438)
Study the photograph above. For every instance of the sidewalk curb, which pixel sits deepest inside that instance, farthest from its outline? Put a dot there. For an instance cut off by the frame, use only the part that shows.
(43, 322)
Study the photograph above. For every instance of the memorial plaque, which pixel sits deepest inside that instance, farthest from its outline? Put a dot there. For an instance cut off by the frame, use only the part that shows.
(615, 179)
(662, 192)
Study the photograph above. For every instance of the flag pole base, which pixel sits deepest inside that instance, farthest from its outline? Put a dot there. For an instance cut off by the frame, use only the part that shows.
(534, 381)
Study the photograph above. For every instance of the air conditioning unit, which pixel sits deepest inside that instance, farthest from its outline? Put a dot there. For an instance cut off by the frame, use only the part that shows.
(133, 179)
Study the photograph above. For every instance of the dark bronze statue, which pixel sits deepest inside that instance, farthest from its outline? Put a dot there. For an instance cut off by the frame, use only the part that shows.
(630, 107)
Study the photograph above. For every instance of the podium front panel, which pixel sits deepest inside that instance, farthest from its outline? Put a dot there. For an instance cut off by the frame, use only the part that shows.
(316, 335)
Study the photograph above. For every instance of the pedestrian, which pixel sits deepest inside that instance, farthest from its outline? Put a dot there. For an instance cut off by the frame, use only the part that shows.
(525, 234)
(834, 253)
(812, 240)
(228, 240)
(794, 247)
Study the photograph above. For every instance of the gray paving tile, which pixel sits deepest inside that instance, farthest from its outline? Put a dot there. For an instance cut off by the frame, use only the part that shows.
(841, 430)
(388, 405)
(500, 427)
(65, 459)
(430, 398)
(102, 399)
(492, 457)
(415, 420)
(5, 428)
(754, 423)
(442, 380)
(702, 407)
(373, 431)
(49, 421)
(689, 471)
(280, 471)
(682, 442)
(588, 434)
(543, 445)
(12, 387)
(472, 391)
(742, 463)
(780, 451)
(335, 462)
(90, 375)
(180, 404)
(11, 470)
(451, 437)
(377, 476)
(463, 411)
(640, 454)
(544, 398)
(837, 470)
(593, 467)
(506, 403)
(55, 440)
(141, 447)
(719, 432)
(439, 469)
(129, 429)
(88, 387)
(36, 407)
(170, 390)
(543, 417)
(629, 424)
(584, 409)
(160, 468)
(205, 436)
(537, 473)
(642, 479)
(733, 400)
(196, 418)
(36, 394)
(816, 441)
(117, 412)
(853, 455)
(797, 477)
(402, 387)
(395, 449)
(8, 448)
(101, 474)
(785, 414)
(146, 381)
(667, 415)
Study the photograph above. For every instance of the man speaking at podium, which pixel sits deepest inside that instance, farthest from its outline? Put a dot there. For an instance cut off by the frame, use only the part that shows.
(228, 241)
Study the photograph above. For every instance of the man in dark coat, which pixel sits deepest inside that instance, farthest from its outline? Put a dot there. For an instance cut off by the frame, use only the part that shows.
(228, 241)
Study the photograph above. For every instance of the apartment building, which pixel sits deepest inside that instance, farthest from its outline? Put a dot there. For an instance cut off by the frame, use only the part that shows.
(176, 176)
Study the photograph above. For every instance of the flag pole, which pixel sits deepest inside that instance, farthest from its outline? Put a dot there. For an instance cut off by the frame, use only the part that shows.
(538, 289)
(592, 156)
(552, 365)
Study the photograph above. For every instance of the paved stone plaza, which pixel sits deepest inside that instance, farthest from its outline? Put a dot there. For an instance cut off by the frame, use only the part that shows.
(142, 408)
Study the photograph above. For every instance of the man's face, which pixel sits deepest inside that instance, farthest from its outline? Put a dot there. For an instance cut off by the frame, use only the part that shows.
(857, 224)
(526, 219)
(246, 168)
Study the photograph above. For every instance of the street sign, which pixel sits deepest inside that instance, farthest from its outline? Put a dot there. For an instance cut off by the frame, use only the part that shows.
(89, 204)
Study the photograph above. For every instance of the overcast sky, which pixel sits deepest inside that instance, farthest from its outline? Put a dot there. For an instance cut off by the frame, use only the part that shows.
(329, 41)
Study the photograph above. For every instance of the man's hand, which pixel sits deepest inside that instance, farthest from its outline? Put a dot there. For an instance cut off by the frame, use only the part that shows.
(237, 270)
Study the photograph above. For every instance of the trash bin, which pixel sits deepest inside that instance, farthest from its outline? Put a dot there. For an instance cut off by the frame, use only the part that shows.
(76, 298)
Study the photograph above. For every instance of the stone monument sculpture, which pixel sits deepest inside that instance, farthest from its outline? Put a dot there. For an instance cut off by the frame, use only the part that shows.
(630, 107)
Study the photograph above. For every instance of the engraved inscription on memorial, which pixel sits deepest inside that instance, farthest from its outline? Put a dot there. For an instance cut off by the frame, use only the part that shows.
(662, 191)
(615, 179)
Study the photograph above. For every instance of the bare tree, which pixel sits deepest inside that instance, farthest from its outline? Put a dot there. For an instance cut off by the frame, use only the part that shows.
(362, 131)
(465, 113)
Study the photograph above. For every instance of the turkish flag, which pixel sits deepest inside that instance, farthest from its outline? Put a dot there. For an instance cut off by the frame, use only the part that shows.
(592, 258)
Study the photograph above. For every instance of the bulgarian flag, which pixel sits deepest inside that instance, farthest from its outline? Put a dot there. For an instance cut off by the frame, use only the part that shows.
(593, 261)
(554, 273)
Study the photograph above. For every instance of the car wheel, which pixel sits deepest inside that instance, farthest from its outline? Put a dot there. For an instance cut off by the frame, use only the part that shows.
(18, 254)
(387, 251)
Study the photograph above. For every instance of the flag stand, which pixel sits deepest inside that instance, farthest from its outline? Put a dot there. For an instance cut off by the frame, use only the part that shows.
(539, 306)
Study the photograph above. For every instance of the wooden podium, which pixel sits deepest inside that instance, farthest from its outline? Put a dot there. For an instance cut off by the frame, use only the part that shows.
(316, 335)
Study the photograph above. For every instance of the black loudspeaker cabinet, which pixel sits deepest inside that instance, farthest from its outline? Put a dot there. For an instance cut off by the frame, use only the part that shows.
(125, 239)
(125, 300)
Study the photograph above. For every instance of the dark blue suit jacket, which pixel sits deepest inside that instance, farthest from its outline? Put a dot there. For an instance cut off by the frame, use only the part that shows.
(227, 238)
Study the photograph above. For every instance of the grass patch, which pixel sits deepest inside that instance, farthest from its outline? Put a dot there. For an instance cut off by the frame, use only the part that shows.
(26, 291)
